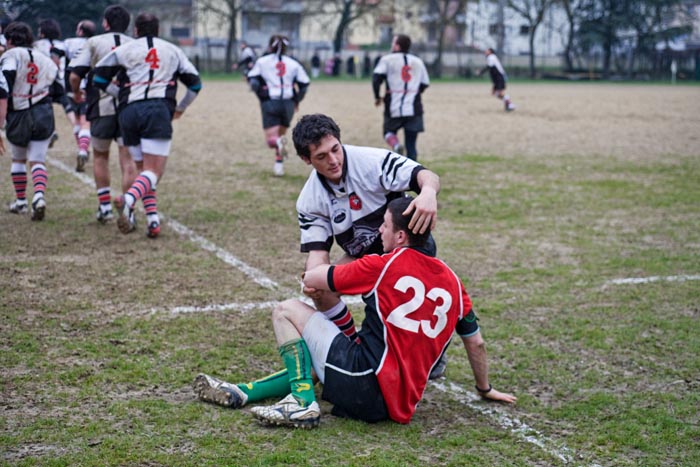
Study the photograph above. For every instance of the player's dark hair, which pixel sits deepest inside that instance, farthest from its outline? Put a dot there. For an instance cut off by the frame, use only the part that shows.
(310, 130)
(396, 207)
(117, 17)
(404, 43)
(87, 28)
(146, 25)
(278, 44)
(50, 29)
(20, 34)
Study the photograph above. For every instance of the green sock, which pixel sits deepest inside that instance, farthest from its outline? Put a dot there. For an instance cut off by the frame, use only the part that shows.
(296, 357)
(274, 385)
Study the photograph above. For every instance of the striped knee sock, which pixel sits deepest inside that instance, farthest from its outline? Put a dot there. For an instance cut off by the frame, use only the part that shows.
(340, 315)
(19, 180)
(144, 183)
(150, 205)
(104, 196)
(39, 178)
(84, 140)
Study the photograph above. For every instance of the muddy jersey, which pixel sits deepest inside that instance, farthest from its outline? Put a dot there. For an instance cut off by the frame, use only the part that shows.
(151, 68)
(352, 211)
(31, 77)
(100, 104)
(280, 73)
(498, 74)
(413, 305)
(406, 77)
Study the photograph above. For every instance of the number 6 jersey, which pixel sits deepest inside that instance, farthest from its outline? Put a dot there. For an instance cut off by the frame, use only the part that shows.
(414, 303)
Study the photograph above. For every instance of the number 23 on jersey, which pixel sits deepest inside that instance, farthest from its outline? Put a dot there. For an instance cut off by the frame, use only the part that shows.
(439, 298)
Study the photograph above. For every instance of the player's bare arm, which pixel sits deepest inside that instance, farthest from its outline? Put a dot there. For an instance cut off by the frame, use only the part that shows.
(476, 352)
(75, 87)
(314, 259)
(317, 277)
(424, 206)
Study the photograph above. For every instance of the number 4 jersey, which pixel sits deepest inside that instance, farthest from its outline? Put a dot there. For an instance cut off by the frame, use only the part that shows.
(414, 303)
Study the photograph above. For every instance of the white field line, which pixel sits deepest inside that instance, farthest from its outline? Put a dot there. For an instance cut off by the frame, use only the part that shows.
(513, 424)
(646, 280)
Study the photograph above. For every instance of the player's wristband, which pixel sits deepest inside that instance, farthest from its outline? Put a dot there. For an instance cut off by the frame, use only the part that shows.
(483, 391)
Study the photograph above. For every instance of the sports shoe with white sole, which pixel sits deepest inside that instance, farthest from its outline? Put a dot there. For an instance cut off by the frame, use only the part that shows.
(19, 207)
(288, 412)
(126, 220)
(216, 391)
(282, 147)
(38, 209)
(278, 169)
(54, 138)
(104, 216)
(153, 229)
(81, 160)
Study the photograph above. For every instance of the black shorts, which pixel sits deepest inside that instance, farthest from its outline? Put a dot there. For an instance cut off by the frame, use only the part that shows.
(499, 84)
(354, 391)
(412, 124)
(33, 124)
(79, 109)
(105, 127)
(149, 119)
(277, 112)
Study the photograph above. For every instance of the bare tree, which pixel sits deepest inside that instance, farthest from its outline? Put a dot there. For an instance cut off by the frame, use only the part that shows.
(347, 11)
(447, 13)
(533, 12)
(572, 9)
(227, 12)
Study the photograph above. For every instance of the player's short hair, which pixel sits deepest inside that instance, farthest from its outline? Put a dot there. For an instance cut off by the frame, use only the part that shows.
(278, 44)
(404, 43)
(117, 17)
(310, 130)
(396, 208)
(87, 28)
(20, 34)
(50, 29)
(147, 24)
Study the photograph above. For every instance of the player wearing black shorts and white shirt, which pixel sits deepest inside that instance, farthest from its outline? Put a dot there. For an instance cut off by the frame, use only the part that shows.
(280, 82)
(406, 78)
(498, 78)
(150, 68)
(413, 305)
(32, 79)
(102, 107)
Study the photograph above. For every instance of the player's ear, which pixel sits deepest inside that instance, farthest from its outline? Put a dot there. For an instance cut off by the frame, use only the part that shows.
(307, 160)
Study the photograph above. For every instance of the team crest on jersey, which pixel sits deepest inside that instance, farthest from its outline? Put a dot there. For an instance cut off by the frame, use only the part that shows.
(355, 202)
(339, 216)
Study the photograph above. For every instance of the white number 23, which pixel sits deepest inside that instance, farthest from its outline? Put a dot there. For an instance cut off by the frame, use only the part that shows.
(399, 316)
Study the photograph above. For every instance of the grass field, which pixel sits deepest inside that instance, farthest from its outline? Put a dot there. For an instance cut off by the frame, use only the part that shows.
(543, 213)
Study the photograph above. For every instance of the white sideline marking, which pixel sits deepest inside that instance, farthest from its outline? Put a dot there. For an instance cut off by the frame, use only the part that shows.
(515, 426)
(646, 280)
(257, 276)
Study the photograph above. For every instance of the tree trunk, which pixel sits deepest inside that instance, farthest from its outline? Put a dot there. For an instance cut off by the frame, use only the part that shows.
(437, 64)
(230, 40)
(342, 26)
(532, 51)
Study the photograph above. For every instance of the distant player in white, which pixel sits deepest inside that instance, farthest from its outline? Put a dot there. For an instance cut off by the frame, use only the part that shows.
(246, 59)
(84, 30)
(150, 68)
(406, 78)
(498, 78)
(102, 107)
(280, 82)
(32, 79)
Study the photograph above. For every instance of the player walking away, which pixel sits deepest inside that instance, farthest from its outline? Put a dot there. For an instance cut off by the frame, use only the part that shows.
(280, 82)
(246, 59)
(406, 78)
(150, 68)
(102, 107)
(498, 78)
(32, 79)
(413, 304)
(83, 31)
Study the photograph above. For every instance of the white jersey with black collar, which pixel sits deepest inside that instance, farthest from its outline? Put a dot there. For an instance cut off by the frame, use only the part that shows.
(352, 212)
(30, 76)
(406, 77)
(280, 73)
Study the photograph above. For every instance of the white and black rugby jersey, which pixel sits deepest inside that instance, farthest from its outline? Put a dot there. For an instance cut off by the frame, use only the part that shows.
(353, 211)
(30, 76)
(100, 104)
(495, 68)
(280, 73)
(53, 48)
(151, 68)
(406, 77)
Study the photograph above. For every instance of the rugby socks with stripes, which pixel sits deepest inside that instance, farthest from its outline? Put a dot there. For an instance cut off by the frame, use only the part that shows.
(19, 180)
(296, 357)
(151, 206)
(145, 184)
(104, 196)
(272, 142)
(392, 140)
(84, 140)
(274, 385)
(39, 178)
(340, 315)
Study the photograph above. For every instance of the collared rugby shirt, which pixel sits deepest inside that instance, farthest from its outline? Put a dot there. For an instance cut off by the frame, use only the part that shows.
(30, 75)
(406, 77)
(280, 73)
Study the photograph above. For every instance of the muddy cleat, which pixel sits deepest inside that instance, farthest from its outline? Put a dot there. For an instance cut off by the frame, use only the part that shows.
(440, 367)
(81, 160)
(399, 149)
(288, 412)
(153, 229)
(104, 216)
(216, 391)
(278, 169)
(126, 220)
(54, 138)
(19, 206)
(38, 209)
(282, 147)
